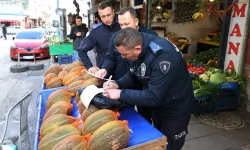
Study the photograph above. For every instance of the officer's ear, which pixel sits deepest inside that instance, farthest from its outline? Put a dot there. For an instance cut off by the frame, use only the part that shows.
(138, 49)
(136, 21)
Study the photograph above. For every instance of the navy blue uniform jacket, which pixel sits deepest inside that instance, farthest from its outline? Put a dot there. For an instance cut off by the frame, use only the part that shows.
(99, 37)
(165, 78)
(114, 63)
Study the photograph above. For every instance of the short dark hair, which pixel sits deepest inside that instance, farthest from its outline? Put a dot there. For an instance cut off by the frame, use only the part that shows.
(105, 4)
(128, 9)
(128, 38)
(78, 17)
(97, 15)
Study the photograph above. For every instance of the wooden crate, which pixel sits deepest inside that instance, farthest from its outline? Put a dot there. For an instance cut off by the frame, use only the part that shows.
(157, 144)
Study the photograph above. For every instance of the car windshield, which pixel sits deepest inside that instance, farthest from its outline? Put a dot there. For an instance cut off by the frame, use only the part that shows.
(30, 35)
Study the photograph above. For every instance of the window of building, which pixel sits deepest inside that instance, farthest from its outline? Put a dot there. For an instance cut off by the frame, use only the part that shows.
(138, 2)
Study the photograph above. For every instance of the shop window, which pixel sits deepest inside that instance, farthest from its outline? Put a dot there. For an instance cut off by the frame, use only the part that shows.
(117, 6)
(138, 2)
(169, 5)
(163, 4)
(221, 6)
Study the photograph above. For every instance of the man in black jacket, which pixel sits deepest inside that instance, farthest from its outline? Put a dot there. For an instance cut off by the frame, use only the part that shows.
(99, 37)
(77, 33)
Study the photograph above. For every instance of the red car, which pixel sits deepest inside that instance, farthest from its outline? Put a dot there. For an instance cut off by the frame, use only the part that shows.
(30, 43)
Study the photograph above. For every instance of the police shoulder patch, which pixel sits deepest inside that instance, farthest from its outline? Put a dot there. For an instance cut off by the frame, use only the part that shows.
(164, 66)
(154, 47)
(97, 25)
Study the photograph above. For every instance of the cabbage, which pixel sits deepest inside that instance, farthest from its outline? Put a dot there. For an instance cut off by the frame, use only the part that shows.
(217, 78)
(204, 77)
(209, 73)
(217, 70)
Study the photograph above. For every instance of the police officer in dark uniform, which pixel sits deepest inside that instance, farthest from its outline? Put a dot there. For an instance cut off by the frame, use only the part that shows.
(99, 37)
(114, 64)
(159, 66)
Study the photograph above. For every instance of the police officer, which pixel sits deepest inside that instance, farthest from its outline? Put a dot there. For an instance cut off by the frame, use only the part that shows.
(159, 66)
(114, 64)
(99, 36)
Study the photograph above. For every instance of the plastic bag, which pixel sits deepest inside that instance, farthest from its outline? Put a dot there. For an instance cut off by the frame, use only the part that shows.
(103, 102)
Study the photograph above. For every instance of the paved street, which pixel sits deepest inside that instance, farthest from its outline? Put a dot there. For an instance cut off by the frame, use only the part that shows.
(14, 86)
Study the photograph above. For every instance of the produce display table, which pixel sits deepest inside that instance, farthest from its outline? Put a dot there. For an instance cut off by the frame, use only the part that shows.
(143, 135)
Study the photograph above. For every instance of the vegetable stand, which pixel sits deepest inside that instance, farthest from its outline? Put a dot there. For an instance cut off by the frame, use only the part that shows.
(143, 135)
(61, 50)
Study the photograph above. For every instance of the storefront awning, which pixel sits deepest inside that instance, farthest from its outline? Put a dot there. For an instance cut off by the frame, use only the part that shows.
(11, 18)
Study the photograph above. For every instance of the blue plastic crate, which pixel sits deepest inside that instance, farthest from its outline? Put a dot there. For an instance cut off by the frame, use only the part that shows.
(142, 130)
(228, 99)
(64, 59)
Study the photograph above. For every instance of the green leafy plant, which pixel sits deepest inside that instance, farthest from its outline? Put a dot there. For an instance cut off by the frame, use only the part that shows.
(233, 76)
(184, 11)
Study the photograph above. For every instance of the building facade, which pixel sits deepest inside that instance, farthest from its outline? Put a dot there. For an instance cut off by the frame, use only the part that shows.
(12, 12)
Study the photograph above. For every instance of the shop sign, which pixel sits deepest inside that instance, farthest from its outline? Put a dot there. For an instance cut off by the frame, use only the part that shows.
(236, 37)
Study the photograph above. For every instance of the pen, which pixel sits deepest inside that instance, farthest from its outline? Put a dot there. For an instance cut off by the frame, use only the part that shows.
(108, 81)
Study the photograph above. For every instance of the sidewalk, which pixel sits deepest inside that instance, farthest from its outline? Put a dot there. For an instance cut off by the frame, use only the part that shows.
(206, 137)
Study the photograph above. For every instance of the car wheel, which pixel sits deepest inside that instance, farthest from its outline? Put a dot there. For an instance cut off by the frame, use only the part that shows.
(18, 68)
(35, 66)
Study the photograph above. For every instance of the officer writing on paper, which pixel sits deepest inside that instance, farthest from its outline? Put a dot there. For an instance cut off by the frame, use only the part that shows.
(114, 64)
(159, 66)
(99, 37)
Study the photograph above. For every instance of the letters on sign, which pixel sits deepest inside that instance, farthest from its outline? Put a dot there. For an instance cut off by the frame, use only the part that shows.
(235, 38)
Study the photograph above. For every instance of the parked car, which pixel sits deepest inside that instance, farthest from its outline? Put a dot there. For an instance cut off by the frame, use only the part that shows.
(13, 30)
(30, 43)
